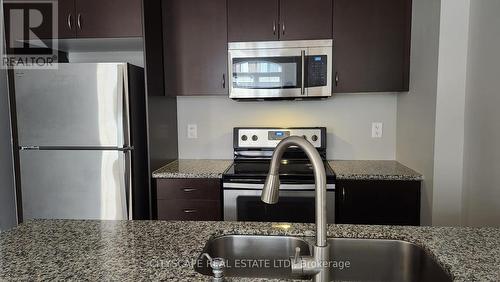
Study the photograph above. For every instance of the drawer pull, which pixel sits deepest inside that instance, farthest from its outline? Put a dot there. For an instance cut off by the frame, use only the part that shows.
(189, 189)
(190, 211)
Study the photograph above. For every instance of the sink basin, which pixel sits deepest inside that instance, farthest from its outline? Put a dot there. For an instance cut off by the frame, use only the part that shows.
(352, 259)
(254, 256)
(383, 260)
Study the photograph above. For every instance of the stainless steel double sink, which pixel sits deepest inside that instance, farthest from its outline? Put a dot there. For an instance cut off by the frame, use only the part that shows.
(268, 257)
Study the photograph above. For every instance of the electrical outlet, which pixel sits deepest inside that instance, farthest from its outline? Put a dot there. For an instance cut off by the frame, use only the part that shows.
(377, 129)
(192, 131)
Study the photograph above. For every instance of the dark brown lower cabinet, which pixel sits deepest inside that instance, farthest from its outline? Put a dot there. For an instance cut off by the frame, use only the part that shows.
(188, 199)
(377, 202)
(188, 210)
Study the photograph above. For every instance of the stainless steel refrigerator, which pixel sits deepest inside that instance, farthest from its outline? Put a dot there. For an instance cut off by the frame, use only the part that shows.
(82, 135)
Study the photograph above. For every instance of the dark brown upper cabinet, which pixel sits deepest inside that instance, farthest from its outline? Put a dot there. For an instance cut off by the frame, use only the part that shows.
(66, 19)
(267, 20)
(97, 19)
(371, 50)
(153, 47)
(65, 16)
(195, 47)
(305, 19)
(255, 20)
(108, 18)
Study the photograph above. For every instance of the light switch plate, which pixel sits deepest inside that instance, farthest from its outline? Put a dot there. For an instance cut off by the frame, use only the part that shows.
(377, 129)
(192, 131)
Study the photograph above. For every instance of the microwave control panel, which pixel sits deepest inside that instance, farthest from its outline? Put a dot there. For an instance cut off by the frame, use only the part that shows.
(317, 70)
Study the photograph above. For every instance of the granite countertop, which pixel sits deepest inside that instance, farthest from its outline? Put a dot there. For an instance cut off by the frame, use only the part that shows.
(193, 169)
(373, 170)
(352, 170)
(161, 250)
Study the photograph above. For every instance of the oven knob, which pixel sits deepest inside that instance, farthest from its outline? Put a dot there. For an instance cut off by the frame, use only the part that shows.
(255, 138)
(244, 138)
(314, 138)
(305, 137)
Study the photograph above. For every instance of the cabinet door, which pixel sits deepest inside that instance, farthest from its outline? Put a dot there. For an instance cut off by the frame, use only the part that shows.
(377, 202)
(195, 47)
(67, 19)
(305, 19)
(371, 45)
(255, 20)
(188, 199)
(109, 18)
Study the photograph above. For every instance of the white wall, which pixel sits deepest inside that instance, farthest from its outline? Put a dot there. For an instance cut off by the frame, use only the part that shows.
(482, 117)
(347, 117)
(450, 110)
(8, 213)
(416, 110)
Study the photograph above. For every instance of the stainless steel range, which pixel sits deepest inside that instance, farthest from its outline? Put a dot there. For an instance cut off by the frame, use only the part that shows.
(244, 180)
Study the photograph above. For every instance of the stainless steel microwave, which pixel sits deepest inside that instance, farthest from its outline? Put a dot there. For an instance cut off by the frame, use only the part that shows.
(280, 69)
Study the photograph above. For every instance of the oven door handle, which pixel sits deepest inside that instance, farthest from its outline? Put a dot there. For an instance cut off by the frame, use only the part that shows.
(284, 187)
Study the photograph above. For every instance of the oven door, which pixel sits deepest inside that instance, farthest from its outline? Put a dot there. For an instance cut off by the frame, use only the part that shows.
(293, 206)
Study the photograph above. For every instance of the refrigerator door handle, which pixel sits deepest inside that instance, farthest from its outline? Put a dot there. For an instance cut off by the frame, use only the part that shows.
(126, 105)
(27, 148)
(128, 185)
(91, 148)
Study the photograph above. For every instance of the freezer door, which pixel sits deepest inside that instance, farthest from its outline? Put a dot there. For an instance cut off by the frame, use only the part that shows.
(75, 184)
(75, 105)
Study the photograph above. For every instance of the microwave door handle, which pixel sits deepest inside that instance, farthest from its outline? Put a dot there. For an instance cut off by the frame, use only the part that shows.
(303, 58)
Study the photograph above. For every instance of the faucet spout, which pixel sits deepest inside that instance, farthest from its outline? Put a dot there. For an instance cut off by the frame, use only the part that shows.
(270, 193)
(317, 264)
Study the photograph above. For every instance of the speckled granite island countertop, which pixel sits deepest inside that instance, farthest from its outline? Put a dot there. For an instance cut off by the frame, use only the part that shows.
(373, 170)
(193, 169)
(160, 250)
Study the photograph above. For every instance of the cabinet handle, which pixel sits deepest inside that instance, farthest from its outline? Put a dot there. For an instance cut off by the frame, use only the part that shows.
(70, 26)
(190, 211)
(187, 190)
(336, 79)
(283, 28)
(343, 194)
(223, 80)
(274, 27)
(303, 58)
(79, 21)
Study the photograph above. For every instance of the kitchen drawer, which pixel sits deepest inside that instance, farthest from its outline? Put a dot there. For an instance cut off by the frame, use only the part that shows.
(192, 189)
(189, 210)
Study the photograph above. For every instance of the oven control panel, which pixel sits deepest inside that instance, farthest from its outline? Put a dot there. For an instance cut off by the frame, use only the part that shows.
(270, 137)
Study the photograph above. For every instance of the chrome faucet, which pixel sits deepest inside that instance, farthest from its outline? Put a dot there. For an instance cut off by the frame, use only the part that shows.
(217, 265)
(316, 265)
